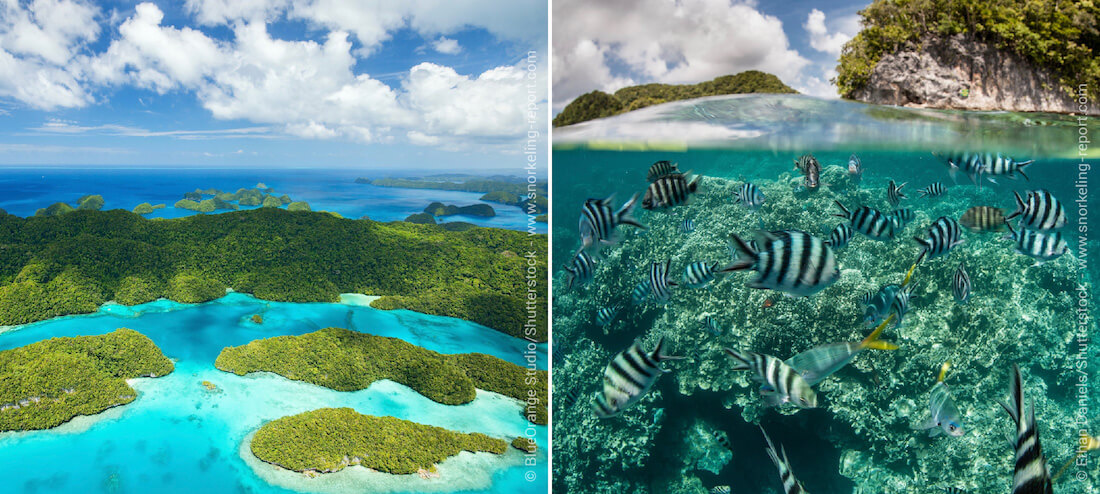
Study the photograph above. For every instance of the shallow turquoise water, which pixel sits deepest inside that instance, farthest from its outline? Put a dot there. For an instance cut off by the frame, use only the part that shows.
(177, 436)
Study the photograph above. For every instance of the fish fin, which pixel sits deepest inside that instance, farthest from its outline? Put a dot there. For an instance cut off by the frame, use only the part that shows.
(746, 256)
(845, 213)
(1014, 405)
(943, 370)
(935, 430)
(872, 341)
(694, 184)
(658, 354)
(909, 274)
(925, 247)
(772, 453)
(623, 214)
(1020, 170)
(741, 360)
(773, 399)
(1020, 206)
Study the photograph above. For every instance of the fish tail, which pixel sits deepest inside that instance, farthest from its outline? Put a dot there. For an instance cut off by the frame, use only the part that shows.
(694, 184)
(1015, 404)
(1020, 168)
(659, 355)
(943, 370)
(872, 341)
(1020, 205)
(844, 211)
(623, 214)
(742, 362)
(909, 274)
(746, 256)
(772, 453)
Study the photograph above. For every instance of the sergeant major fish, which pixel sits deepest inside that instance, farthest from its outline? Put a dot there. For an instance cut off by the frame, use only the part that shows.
(944, 235)
(581, 271)
(790, 261)
(946, 418)
(711, 326)
(661, 169)
(960, 285)
(791, 485)
(901, 217)
(935, 189)
(840, 236)
(894, 194)
(669, 191)
(749, 195)
(1041, 211)
(879, 303)
(811, 170)
(640, 293)
(1042, 246)
(1032, 475)
(868, 221)
(779, 383)
(598, 221)
(998, 164)
(983, 219)
(629, 376)
(855, 169)
(687, 226)
(659, 283)
(699, 273)
(605, 315)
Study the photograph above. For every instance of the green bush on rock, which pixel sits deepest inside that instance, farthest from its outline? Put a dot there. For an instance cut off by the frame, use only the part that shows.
(271, 202)
(146, 208)
(298, 206)
(54, 209)
(93, 202)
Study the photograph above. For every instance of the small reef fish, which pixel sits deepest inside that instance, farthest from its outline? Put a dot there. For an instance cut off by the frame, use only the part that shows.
(998, 164)
(1042, 246)
(791, 485)
(660, 287)
(1041, 211)
(640, 293)
(983, 219)
(722, 438)
(598, 221)
(581, 271)
(767, 303)
(687, 226)
(960, 285)
(699, 273)
(868, 221)
(629, 376)
(811, 169)
(954, 490)
(901, 217)
(820, 362)
(779, 383)
(669, 191)
(879, 303)
(1032, 476)
(661, 169)
(968, 163)
(855, 169)
(894, 195)
(605, 315)
(720, 489)
(944, 234)
(900, 305)
(569, 399)
(789, 261)
(749, 195)
(840, 236)
(711, 326)
(945, 415)
(936, 189)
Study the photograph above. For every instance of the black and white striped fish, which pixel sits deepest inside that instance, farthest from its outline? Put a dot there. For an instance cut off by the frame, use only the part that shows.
(840, 236)
(855, 169)
(969, 163)
(900, 304)
(779, 383)
(669, 191)
(811, 170)
(1042, 246)
(944, 234)
(661, 169)
(711, 326)
(983, 219)
(722, 438)
(699, 273)
(868, 221)
(605, 315)
(628, 377)
(1032, 475)
(998, 164)
(749, 195)
(640, 293)
(894, 194)
(790, 261)
(598, 220)
(954, 490)
(1041, 211)
(581, 271)
(567, 399)
(687, 226)
(960, 285)
(720, 489)
(660, 286)
(902, 217)
(791, 485)
(936, 189)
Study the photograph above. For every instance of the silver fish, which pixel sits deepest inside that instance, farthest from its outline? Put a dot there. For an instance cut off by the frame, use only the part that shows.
(946, 418)
(855, 169)
(820, 362)
(628, 377)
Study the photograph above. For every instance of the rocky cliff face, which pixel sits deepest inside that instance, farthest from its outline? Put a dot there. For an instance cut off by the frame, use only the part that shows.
(960, 72)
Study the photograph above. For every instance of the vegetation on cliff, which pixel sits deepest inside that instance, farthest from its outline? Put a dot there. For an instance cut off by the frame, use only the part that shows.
(347, 360)
(330, 439)
(421, 218)
(72, 263)
(599, 104)
(1059, 35)
(47, 383)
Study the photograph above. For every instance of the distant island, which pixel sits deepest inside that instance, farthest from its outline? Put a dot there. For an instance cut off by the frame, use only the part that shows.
(331, 439)
(439, 209)
(509, 190)
(146, 208)
(47, 383)
(72, 263)
(1015, 55)
(347, 360)
(598, 104)
(91, 202)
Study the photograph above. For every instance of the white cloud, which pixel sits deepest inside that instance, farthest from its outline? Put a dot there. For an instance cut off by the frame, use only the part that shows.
(215, 12)
(446, 46)
(55, 126)
(819, 86)
(662, 41)
(36, 39)
(820, 38)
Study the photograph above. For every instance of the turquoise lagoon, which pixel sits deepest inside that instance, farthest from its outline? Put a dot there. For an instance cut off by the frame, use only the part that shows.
(177, 436)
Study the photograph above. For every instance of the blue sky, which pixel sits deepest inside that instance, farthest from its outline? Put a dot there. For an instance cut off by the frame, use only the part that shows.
(613, 43)
(328, 83)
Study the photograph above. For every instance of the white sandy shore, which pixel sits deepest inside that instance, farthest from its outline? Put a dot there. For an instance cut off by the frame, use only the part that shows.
(358, 299)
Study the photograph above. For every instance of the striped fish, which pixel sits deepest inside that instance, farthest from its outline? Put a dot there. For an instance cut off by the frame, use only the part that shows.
(894, 194)
(946, 418)
(840, 236)
(598, 221)
(954, 490)
(811, 169)
(960, 285)
(998, 164)
(640, 293)
(1041, 211)
(722, 438)
(669, 191)
(791, 485)
(699, 273)
(868, 221)
(983, 219)
(879, 303)
(605, 315)
(855, 169)
(628, 377)
(944, 234)
(820, 362)
(790, 261)
(749, 195)
(1032, 476)
(659, 284)
(720, 489)
(711, 326)
(936, 189)
(687, 226)
(1042, 246)
(901, 217)
(900, 305)
(581, 271)
(969, 163)
(568, 399)
(661, 169)
(779, 383)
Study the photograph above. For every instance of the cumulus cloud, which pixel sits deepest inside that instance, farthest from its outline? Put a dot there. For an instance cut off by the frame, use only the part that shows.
(658, 40)
(820, 37)
(36, 40)
(446, 46)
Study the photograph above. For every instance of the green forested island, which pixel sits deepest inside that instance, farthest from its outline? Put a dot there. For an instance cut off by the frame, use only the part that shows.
(72, 263)
(347, 360)
(598, 104)
(1059, 35)
(47, 383)
(93, 202)
(512, 191)
(440, 209)
(330, 439)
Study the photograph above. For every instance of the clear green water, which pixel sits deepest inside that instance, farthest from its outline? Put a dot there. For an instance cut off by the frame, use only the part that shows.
(861, 438)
